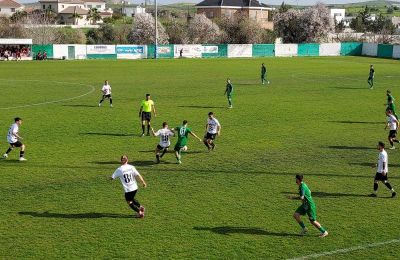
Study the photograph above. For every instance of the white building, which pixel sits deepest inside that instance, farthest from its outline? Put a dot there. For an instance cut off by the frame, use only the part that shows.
(132, 11)
(338, 15)
(75, 11)
(9, 7)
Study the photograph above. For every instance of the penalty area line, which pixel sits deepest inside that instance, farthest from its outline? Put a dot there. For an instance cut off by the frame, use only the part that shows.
(347, 250)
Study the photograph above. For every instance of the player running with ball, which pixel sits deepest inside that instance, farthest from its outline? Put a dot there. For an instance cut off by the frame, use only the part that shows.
(183, 132)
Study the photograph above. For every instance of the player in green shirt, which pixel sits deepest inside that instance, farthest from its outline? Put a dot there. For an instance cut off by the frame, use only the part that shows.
(228, 92)
(390, 103)
(307, 207)
(183, 133)
(264, 74)
(371, 76)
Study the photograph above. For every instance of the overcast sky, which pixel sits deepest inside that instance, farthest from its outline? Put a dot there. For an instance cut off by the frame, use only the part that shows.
(273, 2)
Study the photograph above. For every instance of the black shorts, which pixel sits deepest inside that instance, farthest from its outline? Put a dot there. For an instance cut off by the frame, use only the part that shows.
(210, 136)
(159, 147)
(16, 144)
(107, 96)
(130, 196)
(146, 116)
(392, 133)
(380, 177)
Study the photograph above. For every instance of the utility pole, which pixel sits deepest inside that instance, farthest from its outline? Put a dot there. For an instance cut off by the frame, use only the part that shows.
(156, 20)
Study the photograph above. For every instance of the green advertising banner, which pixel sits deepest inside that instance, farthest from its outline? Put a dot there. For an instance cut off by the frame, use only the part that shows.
(46, 47)
(385, 50)
(351, 49)
(308, 49)
(263, 50)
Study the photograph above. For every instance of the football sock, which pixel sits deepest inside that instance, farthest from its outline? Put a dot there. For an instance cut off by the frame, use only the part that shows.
(164, 151)
(206, 144)
(101, 101)
(148, 129)
(301, 223)
(136, 203)
(391, 143)
(397, 141)
(158, 157)
(110, 101)
(134, 207)
(142, 129)
(21, 154)
(9, 150)
(212, 145)
(388, 185)
(375, 187)
(322, 229)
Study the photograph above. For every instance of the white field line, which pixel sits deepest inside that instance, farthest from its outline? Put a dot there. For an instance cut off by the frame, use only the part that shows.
(347, 250)
(49, 102)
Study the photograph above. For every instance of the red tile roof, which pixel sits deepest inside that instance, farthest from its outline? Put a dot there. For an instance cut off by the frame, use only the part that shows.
(9, 3)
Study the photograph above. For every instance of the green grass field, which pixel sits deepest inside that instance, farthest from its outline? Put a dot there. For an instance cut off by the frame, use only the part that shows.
(317, 118)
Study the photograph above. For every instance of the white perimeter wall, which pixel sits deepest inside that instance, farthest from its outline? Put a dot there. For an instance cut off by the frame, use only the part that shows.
(240, 50)
(370, 49)
(189, 50)
(329, 49)
(396, 51)
(80, 51)
(286, 50)
(60, 50)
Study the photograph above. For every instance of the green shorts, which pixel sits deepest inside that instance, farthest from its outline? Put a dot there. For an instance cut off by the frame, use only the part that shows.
(178, 147)
(309, 210)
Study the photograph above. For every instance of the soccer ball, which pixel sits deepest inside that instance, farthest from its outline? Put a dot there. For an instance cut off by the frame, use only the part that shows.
(184, 148)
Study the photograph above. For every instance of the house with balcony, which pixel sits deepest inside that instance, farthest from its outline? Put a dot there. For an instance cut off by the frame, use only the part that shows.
(9, 7)
(75, 12)
(253, 9)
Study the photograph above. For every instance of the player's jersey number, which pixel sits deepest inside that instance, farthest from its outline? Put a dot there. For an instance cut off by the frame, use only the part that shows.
(165, 138)
(128, 177)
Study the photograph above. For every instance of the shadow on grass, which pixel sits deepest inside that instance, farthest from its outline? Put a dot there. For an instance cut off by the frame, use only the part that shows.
(346, 147)
(227, 230)
(107, 134)
(171, 151)
(373, 165)
(80, 105)
(201, 107)
(349, 88)
(107, 162)
(74, 215)
(135, 163)
(357, 122)
(248, 84)
(102, 165)
(322, 194)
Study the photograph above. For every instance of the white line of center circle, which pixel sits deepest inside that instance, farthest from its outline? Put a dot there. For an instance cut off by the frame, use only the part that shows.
(92, 89)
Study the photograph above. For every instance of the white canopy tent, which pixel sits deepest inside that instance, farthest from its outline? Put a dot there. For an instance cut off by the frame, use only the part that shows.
(11, 48)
